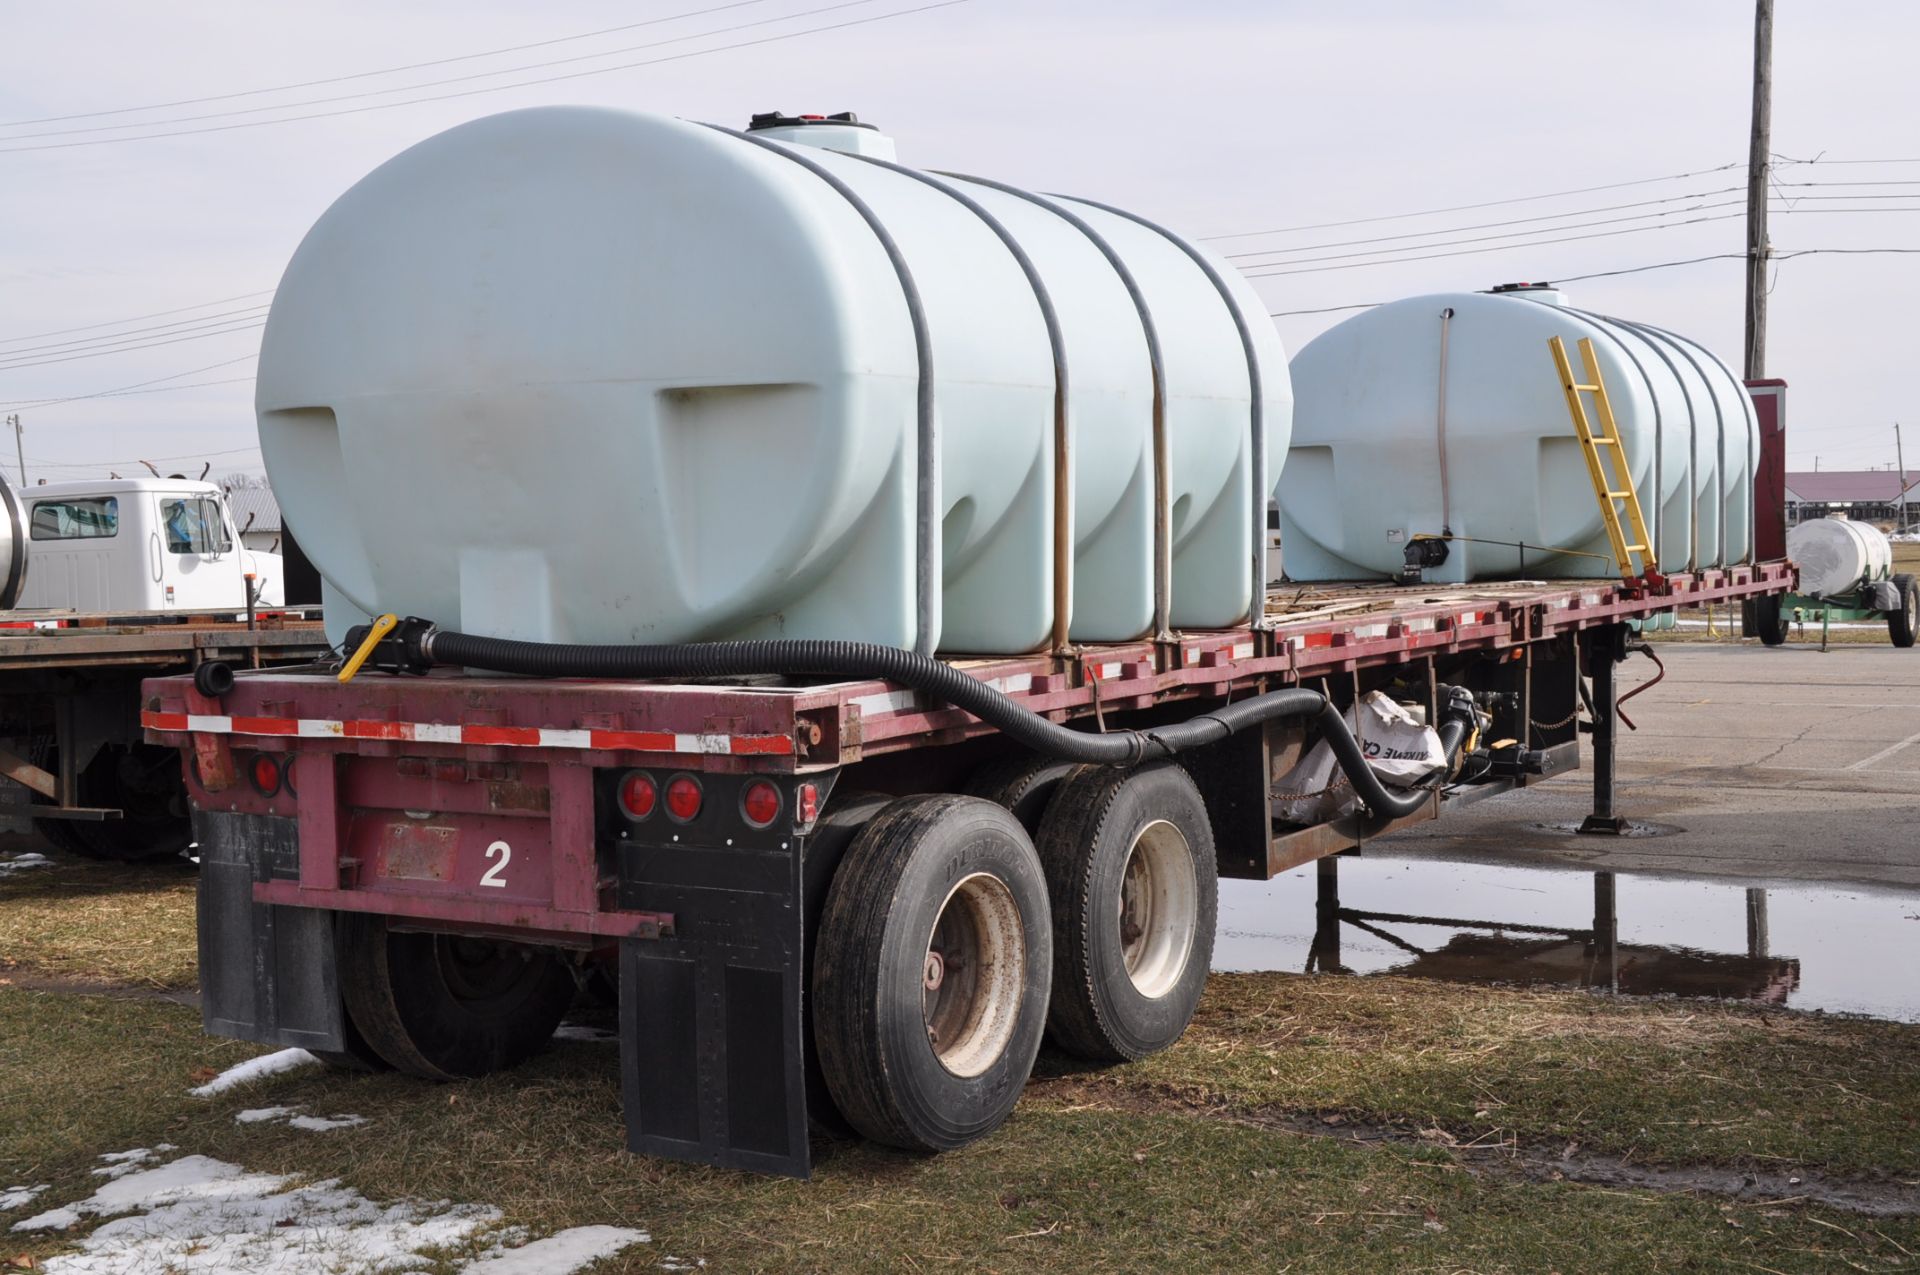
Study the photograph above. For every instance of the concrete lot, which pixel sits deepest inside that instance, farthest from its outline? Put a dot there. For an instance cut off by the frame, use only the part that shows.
(1771, 764)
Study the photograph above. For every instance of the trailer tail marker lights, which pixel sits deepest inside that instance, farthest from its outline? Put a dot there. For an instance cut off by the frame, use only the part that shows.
(638, 795)
(264, 773)
(683, 798)
(760, 803)
(807, 798)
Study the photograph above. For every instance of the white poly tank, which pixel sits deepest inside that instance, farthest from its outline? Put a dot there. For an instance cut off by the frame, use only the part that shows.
(1836, 555)
(585, 375)
(1445, 415)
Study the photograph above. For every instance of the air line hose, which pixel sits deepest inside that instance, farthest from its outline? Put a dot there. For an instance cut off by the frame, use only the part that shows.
(418, 645)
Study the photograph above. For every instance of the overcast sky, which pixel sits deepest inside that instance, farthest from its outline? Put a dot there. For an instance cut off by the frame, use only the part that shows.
(1219, 117)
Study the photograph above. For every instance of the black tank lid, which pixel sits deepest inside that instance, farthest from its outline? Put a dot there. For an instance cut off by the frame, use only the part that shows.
(775, 119)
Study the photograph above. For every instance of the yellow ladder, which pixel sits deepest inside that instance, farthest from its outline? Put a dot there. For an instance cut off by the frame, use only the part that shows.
(1591, 441)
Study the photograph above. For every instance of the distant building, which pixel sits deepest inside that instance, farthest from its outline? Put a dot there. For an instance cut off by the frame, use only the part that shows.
(1867, 495)
(257, 515)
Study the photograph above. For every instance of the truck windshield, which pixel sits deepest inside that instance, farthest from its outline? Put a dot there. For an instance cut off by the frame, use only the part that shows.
(84, 518)
(194, 525)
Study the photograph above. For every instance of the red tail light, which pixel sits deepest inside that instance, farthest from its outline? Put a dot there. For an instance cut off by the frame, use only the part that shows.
(683, 797)
(638, 795)
(808, 799)
(760, 803)
(264, 774)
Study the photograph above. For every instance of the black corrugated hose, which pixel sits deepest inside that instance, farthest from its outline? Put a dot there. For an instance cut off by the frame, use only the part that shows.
(417, 645)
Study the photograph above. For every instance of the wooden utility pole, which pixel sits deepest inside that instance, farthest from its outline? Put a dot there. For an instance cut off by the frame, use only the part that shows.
(1901, 456)
(1759, 166)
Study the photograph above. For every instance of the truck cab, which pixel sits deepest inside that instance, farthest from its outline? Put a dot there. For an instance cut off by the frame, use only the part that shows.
(139, 544)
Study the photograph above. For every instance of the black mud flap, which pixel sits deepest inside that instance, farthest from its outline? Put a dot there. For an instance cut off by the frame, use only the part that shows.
(712, 1063)
(266, 972)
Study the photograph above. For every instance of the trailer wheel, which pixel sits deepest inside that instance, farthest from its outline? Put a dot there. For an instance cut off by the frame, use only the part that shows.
(447, 1007)
(1023, 783)
(1905, 622)
(1130, 868)
(931, 971)
(143, 782)
(1769, 620)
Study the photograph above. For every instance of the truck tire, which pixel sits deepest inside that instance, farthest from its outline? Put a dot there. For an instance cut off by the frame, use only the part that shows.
(1904, 623)
(447, 1007)
(931, 970)
(1769, 620)
(1130, 868)
(1022, 782)
(142, 781)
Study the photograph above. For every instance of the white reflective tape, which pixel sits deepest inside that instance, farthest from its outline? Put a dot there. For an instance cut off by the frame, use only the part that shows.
(434, 733)
(211, 725)
(1013, 683)
(1110, 671)
(702, 744)
(317, 728)
(565, 738)
(885, 702)
(1242, 651)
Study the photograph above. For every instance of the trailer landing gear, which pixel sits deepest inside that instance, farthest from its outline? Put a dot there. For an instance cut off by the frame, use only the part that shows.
(1606, 647)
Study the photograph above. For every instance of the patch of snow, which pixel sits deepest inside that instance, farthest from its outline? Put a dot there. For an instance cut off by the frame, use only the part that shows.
(18, 1197)
(312, 1124)
(559, 1253)
(23, 863)
(320, 1124)
(255, 1069)
(580, 1031)
(203, 1214)
(681, 1264)
(120, 1163)
(257, 1115)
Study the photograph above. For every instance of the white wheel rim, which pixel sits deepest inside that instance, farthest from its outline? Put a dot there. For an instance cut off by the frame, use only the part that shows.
(1159, 902)
(973, 975)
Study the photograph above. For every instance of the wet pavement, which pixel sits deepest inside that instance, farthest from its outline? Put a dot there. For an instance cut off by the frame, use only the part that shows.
(1780, 791)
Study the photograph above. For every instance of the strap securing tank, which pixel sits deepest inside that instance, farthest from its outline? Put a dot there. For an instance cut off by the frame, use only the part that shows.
(1257, 458)
(926, 512)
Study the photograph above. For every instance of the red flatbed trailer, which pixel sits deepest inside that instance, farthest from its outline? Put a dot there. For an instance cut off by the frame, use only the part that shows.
(438, 821)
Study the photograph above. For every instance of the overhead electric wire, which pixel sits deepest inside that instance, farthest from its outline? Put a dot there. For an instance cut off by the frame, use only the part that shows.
(1490, 203)
(121, 389)
(148, 345)
(498, 88)
(170, 329)
(1539, 230)
(135, 318)
(391, 70)
(1466, 252)
(456, 79)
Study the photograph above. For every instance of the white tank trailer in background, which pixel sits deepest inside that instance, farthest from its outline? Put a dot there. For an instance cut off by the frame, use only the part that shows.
(1846, 574)
(1444, 416)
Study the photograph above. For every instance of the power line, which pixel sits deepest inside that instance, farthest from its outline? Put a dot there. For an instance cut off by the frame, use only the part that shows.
(1491, 203)
(1518, 234)
(174, 328)
(112, 323)
(391, 70)
(1607, 274)
(127, 349)
(498, 88)
(456, 79)
(121, 389)
(1467, 252)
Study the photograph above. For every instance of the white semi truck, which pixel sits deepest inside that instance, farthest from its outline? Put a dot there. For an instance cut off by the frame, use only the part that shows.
(102, 584)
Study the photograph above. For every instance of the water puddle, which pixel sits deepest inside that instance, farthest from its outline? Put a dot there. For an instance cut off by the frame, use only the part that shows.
(1839, 948)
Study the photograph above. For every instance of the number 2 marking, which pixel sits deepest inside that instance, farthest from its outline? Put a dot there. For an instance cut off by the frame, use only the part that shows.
(492, 875)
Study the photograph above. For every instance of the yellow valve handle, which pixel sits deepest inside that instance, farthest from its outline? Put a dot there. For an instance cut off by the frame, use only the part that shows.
(381, 627)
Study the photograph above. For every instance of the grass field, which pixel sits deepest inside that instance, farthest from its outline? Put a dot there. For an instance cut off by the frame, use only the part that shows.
(1323, 1124)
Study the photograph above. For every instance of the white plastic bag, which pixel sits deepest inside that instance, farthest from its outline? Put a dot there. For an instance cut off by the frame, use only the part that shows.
(1397, 745)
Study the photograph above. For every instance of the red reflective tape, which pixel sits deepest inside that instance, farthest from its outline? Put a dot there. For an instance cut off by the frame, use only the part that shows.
(741, 745)
(637, 741)
(1313, 640)
(521, 736)
(266, 726)
(164, 721)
